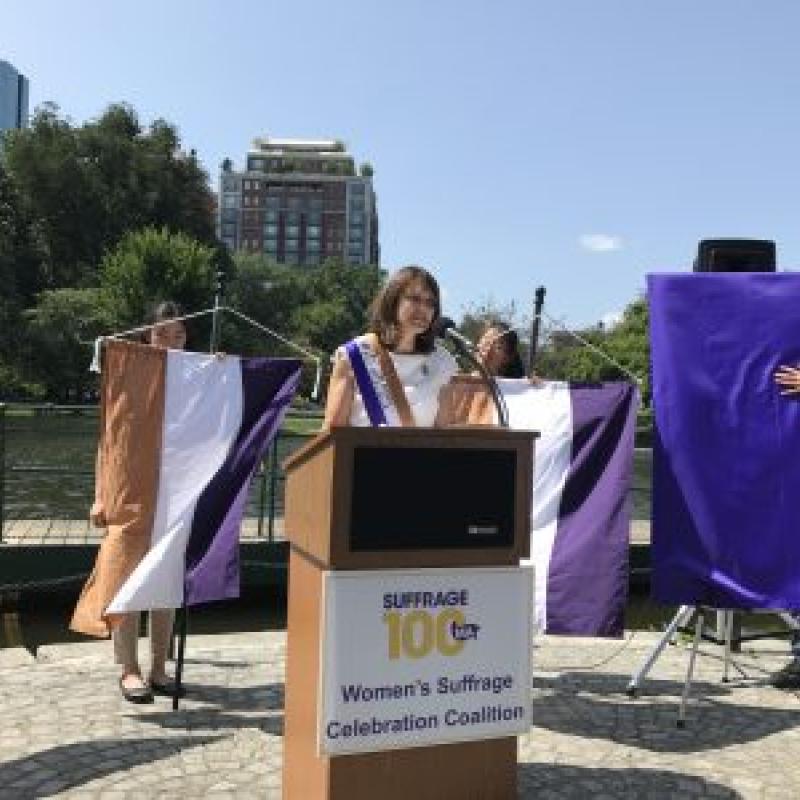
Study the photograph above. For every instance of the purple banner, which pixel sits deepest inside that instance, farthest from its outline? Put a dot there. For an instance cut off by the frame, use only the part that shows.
(587, 580)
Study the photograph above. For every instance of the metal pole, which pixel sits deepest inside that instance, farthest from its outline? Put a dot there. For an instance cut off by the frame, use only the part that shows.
(262, 497)
(216, 323)
(535, 325)
(273, 485)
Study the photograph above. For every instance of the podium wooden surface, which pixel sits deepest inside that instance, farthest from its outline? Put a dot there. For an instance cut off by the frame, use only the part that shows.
(319, 511)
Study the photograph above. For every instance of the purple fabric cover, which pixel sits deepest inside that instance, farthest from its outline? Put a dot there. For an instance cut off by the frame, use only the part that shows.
(726, 459)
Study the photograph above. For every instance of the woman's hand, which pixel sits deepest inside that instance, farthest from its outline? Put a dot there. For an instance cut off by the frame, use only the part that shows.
(97, 515)
(788, 378)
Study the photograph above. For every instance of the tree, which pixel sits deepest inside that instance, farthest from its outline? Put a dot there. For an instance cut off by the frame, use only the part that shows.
(60, 333)
(267, 292)
(152, 265)
(22, 274)
(336, 302)
(317, 307)
(565, 357)
(88, 186)
(22, 252)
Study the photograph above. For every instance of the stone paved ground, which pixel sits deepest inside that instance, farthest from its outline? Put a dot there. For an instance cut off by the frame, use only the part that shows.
(65, 731)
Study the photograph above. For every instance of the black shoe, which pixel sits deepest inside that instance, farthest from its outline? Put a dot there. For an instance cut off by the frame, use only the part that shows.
(788, 677)
(166, 689)
(136, 694)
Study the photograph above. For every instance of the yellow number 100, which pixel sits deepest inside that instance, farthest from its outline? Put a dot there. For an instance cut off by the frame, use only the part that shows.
(415, 634)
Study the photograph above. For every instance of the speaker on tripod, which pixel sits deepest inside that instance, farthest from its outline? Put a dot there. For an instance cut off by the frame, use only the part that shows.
(735, 255)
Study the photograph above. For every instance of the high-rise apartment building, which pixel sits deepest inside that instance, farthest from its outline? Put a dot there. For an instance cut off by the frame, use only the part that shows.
(299, 202)
(13, 98)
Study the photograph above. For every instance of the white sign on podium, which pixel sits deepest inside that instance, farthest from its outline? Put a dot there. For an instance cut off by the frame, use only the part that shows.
(425, 656)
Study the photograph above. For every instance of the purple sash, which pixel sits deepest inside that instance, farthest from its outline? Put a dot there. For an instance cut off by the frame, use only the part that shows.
(372, 405)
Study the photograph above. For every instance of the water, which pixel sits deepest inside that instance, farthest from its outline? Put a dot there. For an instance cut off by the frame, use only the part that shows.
(49, 466)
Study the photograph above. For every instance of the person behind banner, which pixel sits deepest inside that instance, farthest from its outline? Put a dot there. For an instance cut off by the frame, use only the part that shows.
(168, 331)
(393, 375)
(498, 351)
(788, 378)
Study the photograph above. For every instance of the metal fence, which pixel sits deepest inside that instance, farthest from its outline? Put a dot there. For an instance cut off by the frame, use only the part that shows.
(47, 457)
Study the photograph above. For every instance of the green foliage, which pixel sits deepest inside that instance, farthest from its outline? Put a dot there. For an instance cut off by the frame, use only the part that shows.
(317, 307)
(265, 291)
(88, 186)
(96, 222)
(14, 385)
(22, 272)
(565, 358)
(335, 302)
(22, 252)
(151, 265)
(60, 333)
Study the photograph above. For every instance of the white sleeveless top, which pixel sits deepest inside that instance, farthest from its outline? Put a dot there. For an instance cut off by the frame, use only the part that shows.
(422, 376)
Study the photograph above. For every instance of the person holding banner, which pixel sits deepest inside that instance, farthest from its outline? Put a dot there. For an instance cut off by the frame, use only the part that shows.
(498, 350)
(394, 374)
(788, 379)
(168, 331)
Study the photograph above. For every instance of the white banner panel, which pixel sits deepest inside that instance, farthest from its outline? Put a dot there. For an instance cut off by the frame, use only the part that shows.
(425, 656)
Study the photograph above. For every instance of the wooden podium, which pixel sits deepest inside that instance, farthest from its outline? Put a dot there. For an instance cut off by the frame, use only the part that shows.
(389, 498)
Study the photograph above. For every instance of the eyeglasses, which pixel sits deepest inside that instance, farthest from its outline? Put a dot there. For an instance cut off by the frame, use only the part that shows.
(420, 299)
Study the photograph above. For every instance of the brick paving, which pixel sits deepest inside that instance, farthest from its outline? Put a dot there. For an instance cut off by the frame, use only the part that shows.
(66, 732)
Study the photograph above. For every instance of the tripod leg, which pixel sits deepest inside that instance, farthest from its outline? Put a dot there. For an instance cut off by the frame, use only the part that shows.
(728, 634)
(684, 615)
(698, 630)
(181, 649)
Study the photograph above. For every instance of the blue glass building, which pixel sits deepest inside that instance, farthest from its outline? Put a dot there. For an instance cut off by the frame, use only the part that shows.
(13, 98)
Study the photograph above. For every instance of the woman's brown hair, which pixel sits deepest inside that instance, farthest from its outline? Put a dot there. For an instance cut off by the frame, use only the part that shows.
(508, 340)
(383, 309)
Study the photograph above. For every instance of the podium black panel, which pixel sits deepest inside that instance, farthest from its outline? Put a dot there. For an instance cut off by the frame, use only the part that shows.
(430, 499)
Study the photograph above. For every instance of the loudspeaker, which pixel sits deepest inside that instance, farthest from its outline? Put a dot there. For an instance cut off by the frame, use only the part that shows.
(735, 255)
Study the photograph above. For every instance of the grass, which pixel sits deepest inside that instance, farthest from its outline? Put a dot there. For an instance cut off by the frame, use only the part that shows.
(301, 426)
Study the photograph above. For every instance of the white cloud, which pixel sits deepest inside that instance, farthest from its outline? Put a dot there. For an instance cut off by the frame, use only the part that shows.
(600, 242)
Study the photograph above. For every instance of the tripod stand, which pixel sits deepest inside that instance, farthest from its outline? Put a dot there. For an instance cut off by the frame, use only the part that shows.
(681, 619)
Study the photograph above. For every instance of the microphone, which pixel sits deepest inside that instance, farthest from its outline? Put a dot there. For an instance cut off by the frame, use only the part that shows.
(444, 327)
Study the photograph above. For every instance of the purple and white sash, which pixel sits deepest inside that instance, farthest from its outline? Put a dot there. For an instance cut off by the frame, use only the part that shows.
(371, 383)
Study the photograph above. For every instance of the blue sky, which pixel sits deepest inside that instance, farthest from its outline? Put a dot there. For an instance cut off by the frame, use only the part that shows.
(576, 145)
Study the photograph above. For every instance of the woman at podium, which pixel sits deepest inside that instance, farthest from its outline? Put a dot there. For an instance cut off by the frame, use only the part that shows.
(395, 373)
